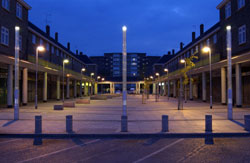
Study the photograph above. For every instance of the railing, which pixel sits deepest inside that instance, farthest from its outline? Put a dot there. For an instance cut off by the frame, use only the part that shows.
(44, 63)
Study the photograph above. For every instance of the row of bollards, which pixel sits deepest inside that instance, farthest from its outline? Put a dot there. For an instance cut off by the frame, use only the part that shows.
(38, 128)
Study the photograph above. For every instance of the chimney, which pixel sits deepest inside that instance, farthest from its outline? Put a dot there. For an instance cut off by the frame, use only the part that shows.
(181, 45)
(193, 36)
(56, 37)
(76, 52)
(173, 52)
(169, 52)
(201, 29)
(48, 30)
(68, 45)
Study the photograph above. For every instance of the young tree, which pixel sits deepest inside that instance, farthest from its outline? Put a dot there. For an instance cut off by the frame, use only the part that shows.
(189, 64)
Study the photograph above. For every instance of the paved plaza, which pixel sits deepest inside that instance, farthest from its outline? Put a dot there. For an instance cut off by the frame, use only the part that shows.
(103, 116)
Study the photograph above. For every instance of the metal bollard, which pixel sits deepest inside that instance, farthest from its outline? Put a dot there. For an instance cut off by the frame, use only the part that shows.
(38, 130)
(208, 123)
(247, 122)
(124, 124)
(165, 123)
(69, 123)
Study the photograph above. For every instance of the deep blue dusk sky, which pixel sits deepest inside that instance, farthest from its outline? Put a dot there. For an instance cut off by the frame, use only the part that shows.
(94, 26)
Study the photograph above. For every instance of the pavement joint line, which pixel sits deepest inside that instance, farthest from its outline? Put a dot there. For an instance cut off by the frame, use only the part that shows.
(126, 135)
(61, 150)
(158, 151)
(4, 142)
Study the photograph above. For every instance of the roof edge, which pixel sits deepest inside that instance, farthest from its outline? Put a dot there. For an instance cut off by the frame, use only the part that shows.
(24, 4)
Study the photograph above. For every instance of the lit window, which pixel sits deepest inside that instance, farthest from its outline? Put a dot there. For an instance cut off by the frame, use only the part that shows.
(33, 39)
(242, 34)
(215, 38)
(5, 36)
(228, 10)
(241, 3)
(19, 9)
(6, 4)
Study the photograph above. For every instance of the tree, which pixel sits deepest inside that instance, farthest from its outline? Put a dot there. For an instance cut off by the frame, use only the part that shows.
(183, 72)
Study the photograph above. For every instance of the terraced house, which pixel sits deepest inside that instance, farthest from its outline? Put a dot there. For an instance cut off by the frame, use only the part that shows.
(233, 13)
(15, 13)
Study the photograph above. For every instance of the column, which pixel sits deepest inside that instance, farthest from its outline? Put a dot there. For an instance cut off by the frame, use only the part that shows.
(80, 88)
(67, 88)
(45, 86)
(238, 85)
(190, 89)
(75, 88)
(10, 87)
(174, 90)
(223, 86)
(86, 89)
(25, 86)
(154, 88)
(168, 88)
(96, 88)
(204, 93)
(58, 88)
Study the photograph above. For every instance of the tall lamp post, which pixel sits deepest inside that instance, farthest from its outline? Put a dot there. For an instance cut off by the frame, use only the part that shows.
(65, 61)
(229, 71)
(183, 61)
(16, 94)
(124, 118)
(208, 50)
(38, 49)
(157, 86)
(166, 70)
(82, 72)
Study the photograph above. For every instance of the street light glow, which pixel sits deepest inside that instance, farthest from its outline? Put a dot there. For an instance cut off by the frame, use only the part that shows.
(206, 49)
(182, 61)
(65, 61)
(40, 48)
(166, 70)
(124, 28)
(17, 28)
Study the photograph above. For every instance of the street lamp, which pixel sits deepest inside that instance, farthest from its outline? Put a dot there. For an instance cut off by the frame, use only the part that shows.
(38, 49)
(183, 61)
(16, 93)
(208, 50)
(166, 70)
(65, 61)
(229, 71)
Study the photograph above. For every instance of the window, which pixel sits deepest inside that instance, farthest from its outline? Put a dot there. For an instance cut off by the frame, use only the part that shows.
(52, 49)
(33, 39)
(5, 36)
(228, 10)
(6, 4)
(242, 34)
(19, 9)
(215, 38)
(47, 46)
(41, 42)
(20, 42)
(241, 3)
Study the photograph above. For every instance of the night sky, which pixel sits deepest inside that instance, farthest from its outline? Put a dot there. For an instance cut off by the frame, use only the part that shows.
(95, 26)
